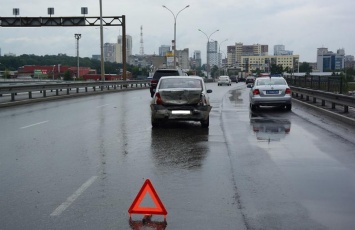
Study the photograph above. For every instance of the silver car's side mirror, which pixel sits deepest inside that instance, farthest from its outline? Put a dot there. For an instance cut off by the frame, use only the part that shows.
(209, 91)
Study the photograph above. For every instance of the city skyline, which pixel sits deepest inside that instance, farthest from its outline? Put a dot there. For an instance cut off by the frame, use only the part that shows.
(253, 22)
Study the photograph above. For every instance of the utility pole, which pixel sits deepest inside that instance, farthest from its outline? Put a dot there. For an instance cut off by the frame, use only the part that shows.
(102, 45)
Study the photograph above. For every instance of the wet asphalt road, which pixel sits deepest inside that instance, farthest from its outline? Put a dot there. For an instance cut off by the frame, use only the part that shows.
(79, 163)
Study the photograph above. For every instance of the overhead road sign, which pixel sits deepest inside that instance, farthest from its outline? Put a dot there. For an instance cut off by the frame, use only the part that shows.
(60, 21)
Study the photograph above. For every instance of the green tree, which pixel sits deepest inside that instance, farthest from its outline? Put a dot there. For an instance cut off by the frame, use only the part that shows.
(305, 68)
(7, 74)
(214, 71)
(67, 76)
(276, 69)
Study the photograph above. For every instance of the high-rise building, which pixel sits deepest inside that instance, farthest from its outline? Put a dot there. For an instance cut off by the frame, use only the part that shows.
(183, 58)
(246, 50)
(264, 62)
(163, 49)
(212, 53)
(119, 50)
(197, 58)
(329, 61)
(349, 61)
(231, 58)
(280, 50)
(110, 52)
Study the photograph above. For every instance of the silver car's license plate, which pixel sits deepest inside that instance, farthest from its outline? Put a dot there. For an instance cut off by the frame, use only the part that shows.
(272, 92)
(181, 112)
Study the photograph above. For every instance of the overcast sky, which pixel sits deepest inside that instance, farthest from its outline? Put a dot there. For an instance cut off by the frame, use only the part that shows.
(301, 25)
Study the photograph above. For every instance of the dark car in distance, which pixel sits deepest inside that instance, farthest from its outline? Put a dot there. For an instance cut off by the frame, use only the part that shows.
(163, 73)
(250, 79)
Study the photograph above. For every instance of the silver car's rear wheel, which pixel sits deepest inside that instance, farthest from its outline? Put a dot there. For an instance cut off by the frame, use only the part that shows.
(205, 123)
(289, 107)
(155, 122)
(253, 107)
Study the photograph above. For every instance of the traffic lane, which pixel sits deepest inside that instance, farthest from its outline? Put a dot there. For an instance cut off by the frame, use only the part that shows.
(43, 163)
(177, 159)
(112, 150)
(299, 179)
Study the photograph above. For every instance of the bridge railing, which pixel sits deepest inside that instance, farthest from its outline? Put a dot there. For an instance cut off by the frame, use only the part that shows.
(45, 89)
(333, 98)
(335, 84)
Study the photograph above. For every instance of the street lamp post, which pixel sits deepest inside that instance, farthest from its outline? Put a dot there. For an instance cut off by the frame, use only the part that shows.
(175, 17)
(219, 51)
(208, 41)
(77, 37)
(102, 45)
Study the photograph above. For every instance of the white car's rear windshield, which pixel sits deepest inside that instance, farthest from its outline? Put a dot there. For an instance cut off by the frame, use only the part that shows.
(271, 81)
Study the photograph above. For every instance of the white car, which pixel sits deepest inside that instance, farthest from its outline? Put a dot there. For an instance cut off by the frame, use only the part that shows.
(224, 80)
(181, 98)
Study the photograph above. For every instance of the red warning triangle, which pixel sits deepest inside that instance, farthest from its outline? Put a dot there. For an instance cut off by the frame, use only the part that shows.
(159, 208)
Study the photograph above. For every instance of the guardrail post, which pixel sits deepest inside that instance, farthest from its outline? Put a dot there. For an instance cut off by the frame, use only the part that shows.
(94, 88)
(12, 96)
(346, 109)
(341, 85)
(57, 92)
(77, 90)
(314, 100)
(44, 93)
(307, 98)
(305, 81)
(30, 95)
(68, 91)
(323, 102)
(333, 105)
(86, 89)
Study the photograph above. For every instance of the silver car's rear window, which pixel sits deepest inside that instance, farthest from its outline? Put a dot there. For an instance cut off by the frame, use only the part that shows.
(180, 83)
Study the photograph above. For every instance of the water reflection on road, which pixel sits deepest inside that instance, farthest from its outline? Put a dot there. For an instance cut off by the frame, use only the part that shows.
(269, 124)
(179, 144)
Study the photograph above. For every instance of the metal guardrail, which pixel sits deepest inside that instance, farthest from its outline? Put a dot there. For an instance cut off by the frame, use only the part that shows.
(333, 98)
(81, 88)
(335, 84)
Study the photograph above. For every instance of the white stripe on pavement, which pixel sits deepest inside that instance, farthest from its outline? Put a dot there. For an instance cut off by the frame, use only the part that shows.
(61, 208)
(102, 106)
(25, 127)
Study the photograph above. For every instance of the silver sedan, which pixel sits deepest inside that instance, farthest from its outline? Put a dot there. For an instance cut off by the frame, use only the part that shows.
(270, 91)
(181, 98)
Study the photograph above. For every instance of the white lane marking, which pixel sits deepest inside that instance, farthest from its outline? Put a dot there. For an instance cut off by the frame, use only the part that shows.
(61, 208)
(25, 127)
(102, 106)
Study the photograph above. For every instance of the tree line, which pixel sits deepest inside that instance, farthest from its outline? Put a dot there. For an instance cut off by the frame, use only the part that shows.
(12, 63)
